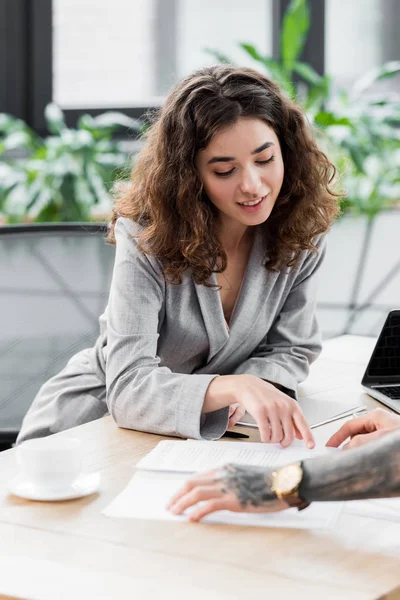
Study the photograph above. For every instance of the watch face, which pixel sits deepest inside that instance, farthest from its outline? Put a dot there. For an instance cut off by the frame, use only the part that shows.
(288, 478)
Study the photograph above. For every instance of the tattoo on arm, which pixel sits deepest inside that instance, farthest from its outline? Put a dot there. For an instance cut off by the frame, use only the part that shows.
(251, 485)
(370, 471)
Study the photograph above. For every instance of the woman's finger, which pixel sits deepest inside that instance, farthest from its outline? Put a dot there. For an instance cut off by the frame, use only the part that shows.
(232, 408)
(304, 428)
(264, 425)
(288, 429)
(236, 416)
(297, 432)
(276, 426)
(197, 494)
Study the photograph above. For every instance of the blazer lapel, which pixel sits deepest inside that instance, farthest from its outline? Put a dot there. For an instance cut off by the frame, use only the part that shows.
(254, 289)
(257, 286)
(213, 316)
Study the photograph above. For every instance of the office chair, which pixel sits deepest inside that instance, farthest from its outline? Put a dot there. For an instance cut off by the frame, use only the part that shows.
(54, 284)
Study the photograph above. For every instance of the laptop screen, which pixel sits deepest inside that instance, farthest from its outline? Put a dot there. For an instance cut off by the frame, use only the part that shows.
(385, 359)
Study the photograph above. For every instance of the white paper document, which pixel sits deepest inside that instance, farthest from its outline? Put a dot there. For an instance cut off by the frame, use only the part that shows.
(192, 456)
(382, 508)
(163, 471)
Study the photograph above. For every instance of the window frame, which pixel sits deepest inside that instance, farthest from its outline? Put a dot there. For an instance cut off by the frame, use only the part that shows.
(26, 56)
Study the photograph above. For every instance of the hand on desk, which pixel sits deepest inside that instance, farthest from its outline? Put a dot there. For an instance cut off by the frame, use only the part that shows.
(233, 487)
(365, 429)
(278, 416)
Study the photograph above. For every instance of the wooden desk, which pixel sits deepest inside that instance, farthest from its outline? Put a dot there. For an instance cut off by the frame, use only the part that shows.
(70, 550)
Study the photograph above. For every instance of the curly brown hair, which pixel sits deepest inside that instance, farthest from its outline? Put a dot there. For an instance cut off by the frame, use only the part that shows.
(166, 195)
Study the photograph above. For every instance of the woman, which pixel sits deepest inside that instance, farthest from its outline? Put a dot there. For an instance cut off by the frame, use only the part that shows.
(212, 302)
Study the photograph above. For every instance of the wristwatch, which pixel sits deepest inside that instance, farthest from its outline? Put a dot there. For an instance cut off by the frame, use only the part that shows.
(286, 482)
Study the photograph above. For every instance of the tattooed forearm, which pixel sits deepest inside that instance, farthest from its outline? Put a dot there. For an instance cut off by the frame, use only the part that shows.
(251, 485)
(371, 471)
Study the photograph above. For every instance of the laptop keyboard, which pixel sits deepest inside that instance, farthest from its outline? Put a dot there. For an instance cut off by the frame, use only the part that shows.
(390, 392)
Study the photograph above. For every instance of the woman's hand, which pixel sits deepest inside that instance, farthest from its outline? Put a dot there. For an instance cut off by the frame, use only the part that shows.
(233, 487)
(278, 416)
(364, 429)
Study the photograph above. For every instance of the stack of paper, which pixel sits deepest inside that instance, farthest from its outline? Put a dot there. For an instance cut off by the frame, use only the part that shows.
(163, 471)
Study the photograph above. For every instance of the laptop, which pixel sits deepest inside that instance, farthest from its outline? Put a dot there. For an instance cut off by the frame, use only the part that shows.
(382, 378)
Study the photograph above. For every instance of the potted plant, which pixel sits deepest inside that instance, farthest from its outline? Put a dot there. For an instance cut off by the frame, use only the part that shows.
(66, 176)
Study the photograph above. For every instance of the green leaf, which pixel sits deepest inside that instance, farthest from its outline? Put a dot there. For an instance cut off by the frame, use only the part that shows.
(221, 58)
(392, 121)
(96, 182)
(34, 190)
(252, 51)
(70, 208)
(114, 120)
(83, 192)
(40, 153)
(109, 120)
(111, 159)
(326, 119)
(9, 124)
(10, 176)
(385, 71)
(272, 67)
(18, 139)
(317, 95)
(16, 134)
(73, 139)
(16, 200)
(55, 118)
(307, 73)
(49, 214)
(43, 199)
(356, 154)
(295, 26)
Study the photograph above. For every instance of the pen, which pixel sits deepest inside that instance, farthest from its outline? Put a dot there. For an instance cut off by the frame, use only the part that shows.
(235, 434)
(347, 413)
(352, 412)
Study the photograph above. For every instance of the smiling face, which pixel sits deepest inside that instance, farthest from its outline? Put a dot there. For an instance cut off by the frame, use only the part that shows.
(242, 172)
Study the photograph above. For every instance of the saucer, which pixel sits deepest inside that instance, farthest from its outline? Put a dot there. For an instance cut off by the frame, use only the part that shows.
(83, 485)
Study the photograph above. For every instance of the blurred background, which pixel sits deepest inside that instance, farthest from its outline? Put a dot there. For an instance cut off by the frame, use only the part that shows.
(77, 78)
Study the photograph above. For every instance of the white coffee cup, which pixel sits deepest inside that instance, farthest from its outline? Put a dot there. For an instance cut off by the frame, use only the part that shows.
(53, 462)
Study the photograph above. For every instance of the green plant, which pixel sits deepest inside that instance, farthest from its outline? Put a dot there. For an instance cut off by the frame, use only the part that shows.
(359, 129)
(65, 177)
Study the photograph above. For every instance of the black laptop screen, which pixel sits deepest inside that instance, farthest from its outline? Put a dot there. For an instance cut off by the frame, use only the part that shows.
(385, 361)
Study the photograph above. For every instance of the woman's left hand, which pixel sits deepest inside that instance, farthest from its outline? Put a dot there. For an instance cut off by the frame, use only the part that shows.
(233, 487)
(236, 413)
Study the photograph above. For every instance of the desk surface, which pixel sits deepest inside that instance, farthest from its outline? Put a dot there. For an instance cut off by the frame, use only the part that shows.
(70, 550)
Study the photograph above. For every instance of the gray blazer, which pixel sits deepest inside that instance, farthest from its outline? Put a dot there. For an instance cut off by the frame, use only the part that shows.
(161, 345)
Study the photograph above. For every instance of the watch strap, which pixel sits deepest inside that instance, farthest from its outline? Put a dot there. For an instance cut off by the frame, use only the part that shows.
(296, 501)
